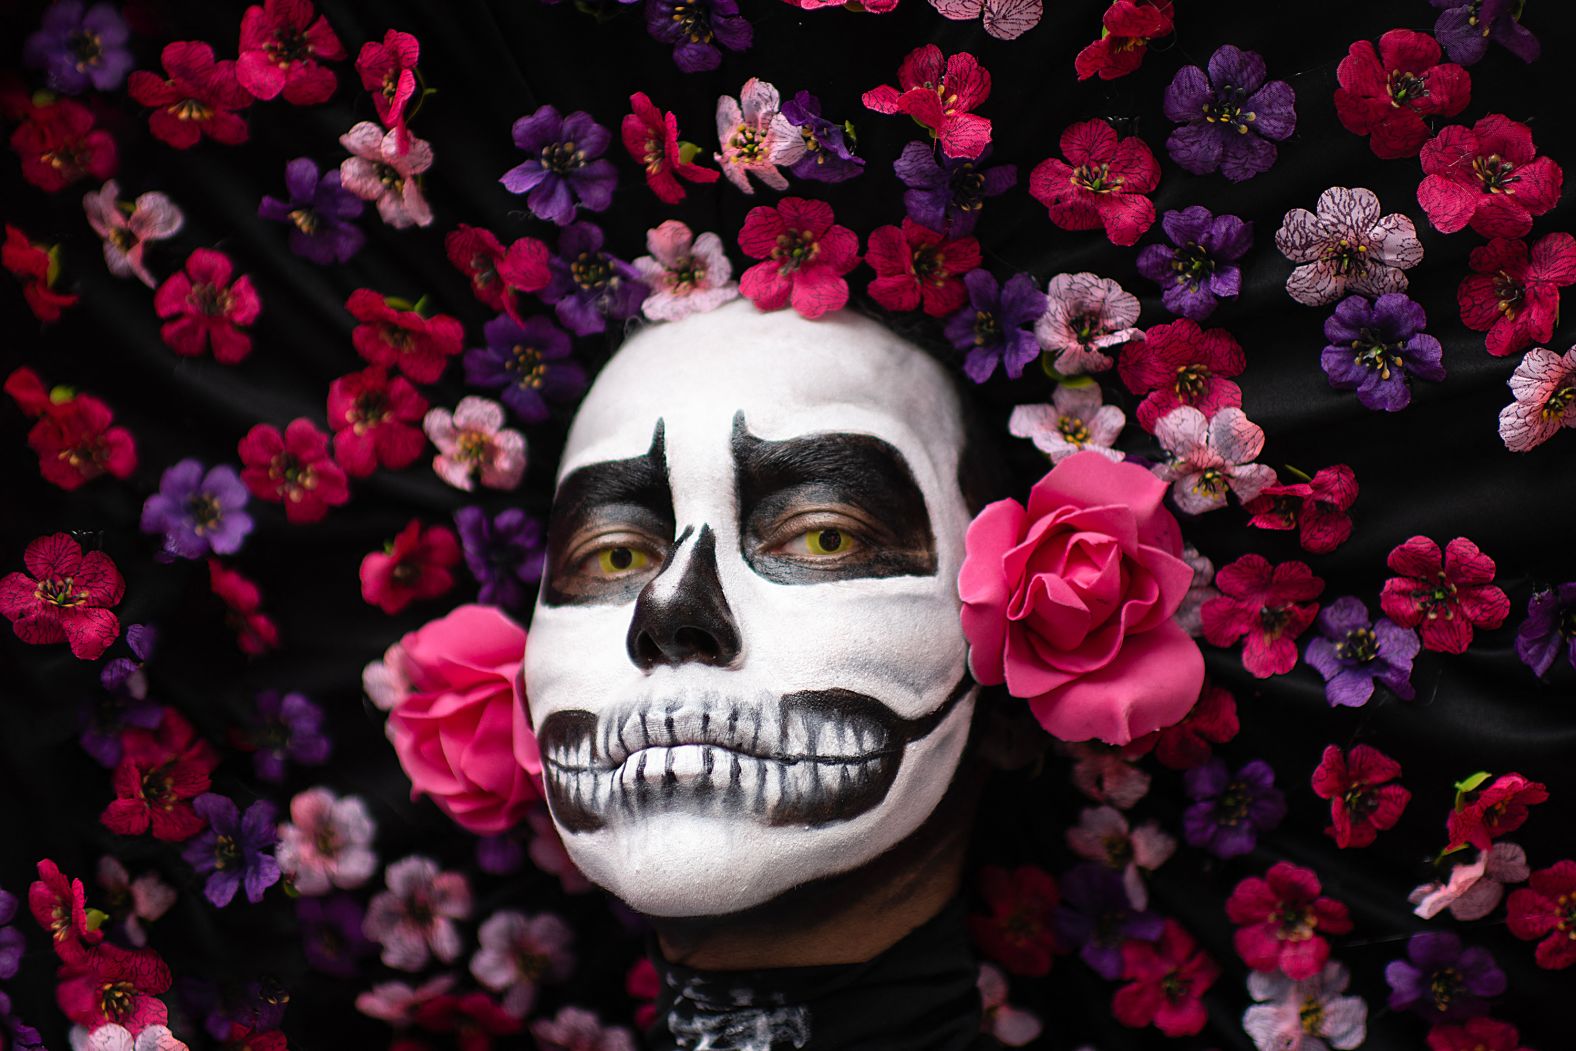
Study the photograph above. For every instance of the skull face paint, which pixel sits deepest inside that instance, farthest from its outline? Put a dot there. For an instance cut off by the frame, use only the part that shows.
(746, 669)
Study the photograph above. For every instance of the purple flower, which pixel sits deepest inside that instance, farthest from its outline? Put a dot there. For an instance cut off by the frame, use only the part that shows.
(79, 49)
(1465, 27)
(991, 328)
(694, 27)
(564, 166)
(500, 855)
(1201, 269)
(14, 1035)
(1375, 345)
(234, 850)
(199, 514)
(11, 943)
(527, 362)
(320, 209)
(505, 553)
(947, 195)
(589, 286)
(1442, 982)
(827, 155)
(1353, 651)
(1231, 809)
(287, 727)
(331, 934)
(1230, 118)
(1549, 628)
(124, 700)
(1096, 915)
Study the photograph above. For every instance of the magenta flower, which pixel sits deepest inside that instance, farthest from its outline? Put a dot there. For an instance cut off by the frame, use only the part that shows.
(198, 97)
(804, 255)
(326, 843)
(1346, 245)
(1267, 607)
(1545, 388)
(940, 93)
(1102, 183)
(687, 274)
(207, 309)
(1085, 317)
(473, 444)
(1209, 456)
(1179, 364)
(65, 596)
(281, 44)
(381, 171)
(414, 920)
(1488, 177)
(1444, 595)
(1073, 422)
(756, 137)
(127, 232)
(519, 951)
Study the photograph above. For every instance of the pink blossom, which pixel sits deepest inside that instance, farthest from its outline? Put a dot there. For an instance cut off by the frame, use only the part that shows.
(326, 843)
(112, 1037)
(1085, 316)
(1074, 421)
(473, 444)
(1473, 891)
(687, 274)
(1105, 776)
(1210, 456)
(398, 1002)
(127, 233)
(1545, 388)
(1011, 1026)
(145, 898)
(378, 170)
(1102, 834)
(1345, 245)
(518, 951)
(1199, 592)
(547, 852)
(756, 138)
(414, 920)
(576, 1029)
(1310, 1015)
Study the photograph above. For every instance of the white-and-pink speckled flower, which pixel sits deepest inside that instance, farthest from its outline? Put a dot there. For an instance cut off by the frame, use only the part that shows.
(128, 230)
(1075, 421)
(1545, 388)
(414, 920)
(380, 172)
(144, 899)
(1347, 245)
(1202, 589)
(686, 274)
(1103, 834)
(1105, 776)
(755, 137)
(1085, 316)
(474, 445)
(576, 1029)
(397, 1002)
(518, 952)
(327, 842)
(112, 1037)
(1210, 456)
(1473, 891)
(1011, 1026)
(1310, 1015)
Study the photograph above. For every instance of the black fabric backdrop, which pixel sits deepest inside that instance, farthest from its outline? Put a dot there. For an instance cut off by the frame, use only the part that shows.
(1438, 468)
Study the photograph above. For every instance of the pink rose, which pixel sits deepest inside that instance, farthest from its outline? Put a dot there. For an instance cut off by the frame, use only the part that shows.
(457, 718)
(1070, 602)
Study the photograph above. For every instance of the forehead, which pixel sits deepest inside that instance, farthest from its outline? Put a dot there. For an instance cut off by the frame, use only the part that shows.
(787, 375)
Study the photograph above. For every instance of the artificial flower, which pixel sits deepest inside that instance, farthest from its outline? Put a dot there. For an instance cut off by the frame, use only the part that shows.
(73, 436)
(564, 168)
(388, 72)
(1266, 606)
(803, 254)
(991, 330)
(1353, 651)
(529, 363)
(64, 596)
(123, 700)
(1105, 775)
(1544, 385)
(496, 273)
(590, 287)
(1166, 981)
(1018, 933)
(652, 138)
(1085, 316)
(1474, 890)
(112, 1037)
(59, 905)
(1513, 294)
(415, 565)
(1190, 743)
(1465, 28)
(331, 937)
(286, 727)
(294, 469)
(1101, 183)
(547, 852)
(208, 308)
(1442, 981)
(1550, 628)
(1003, 19)
(1317, 508)
(1387, 94)
(1488, 177)
(1483, 815)
(1346, 245)
(160, 772)
(916, 266)
(948, 193)
(1011, 1026)
(828, 150)
(474, 445)
(505, 554)
(400, 335)
(1180, 364)
(473, 1016)
(1126, 29)
(234, 851)
(1206, 457)
(60, 143)
(1282, 919)
(198, 512)
(687, 274)
(116, 986)
(1542, 910)
(397, 1003)
(576, 1029)
(1475, 1034)
(255, 632)
(1365, 798)
(516, 952)
(1376, 346)
(1190, 614)
(1307, 1015)
(319, 211)
(1097, 916)
(385, 168)
(1074, 421)
(940, 93)
(414, 920)
(1230, 117)
(695, 28)
(1103, 834)
(376, 420)
(1443, 596)
(755, 136)
(127, 232)
(1230, 811)
(282, 48)
(197, 97)
(79, 47)
(326, 843)
(38, 268)
(1199, 267)
(141, 900)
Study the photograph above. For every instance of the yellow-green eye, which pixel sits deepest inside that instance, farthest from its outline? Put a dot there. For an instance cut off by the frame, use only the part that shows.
(614, 561)
(828, 542)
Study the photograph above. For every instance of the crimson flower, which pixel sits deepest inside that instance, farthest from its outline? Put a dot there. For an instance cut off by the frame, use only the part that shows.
(1318, 506)
(497, 274)
(1476, 1034)
(652, 139)
(281, 46)
(1488, 177)
(1281, 920)
(294, 469)
(37, 268)
(414, 565)
(1546, 908)
(1388, 93)
(1166, 980)
(59, 905)
(1267, 606)
(1019, 932)
(1101, 183)
(197, 97)
(1126, 29)
(159, 774)
(59, 143)
(940, 93)
(917, 266)
(73, 437)
(388, 71)
(116, 986)
(396, 334)
(207, 308)
(65, 596)
(1513, 294)
(1497, 810)
(255, 632)
(1363, 800)
(376, 421)
(1444, 597)
(1178, 364)
(1189, 743)
(804, 257)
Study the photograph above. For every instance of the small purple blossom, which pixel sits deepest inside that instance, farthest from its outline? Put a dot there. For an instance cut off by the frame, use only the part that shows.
(1230, 117)
(695, 27)
(287, 727)
(1465, 27)
(198, 513)
(1375, 345)
(1231, 810)
(504, 553)
(1442, 982)
(14, 1035)
(79, 49)
(1199, 267)
(528, 362)
(1097, 916)
(588, 286)
(124, 700)
(1353, 651)
(564, 166)
(991, 327)
(234, 850)
(1549, 628)
(331, 935)
(11, 942)
(828, 157)
(500, 855)
(320, 210)
(947, 195)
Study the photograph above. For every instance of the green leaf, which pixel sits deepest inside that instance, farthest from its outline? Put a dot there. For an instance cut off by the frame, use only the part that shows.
(396, 303)
(53, 273)
(853, 136)
(1301, 476)
(1468, 785)
(61, 395)
(97, 919)
(688, 151)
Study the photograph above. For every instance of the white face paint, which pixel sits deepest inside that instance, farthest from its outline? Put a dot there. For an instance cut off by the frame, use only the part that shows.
(746, 667)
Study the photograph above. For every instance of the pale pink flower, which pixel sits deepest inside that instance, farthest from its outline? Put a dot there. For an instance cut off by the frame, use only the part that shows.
(145, 898)
(1100, 772)
(547, 852)
(414, 919)
(686, 274)
(1345, 245)
(1085, 316)
(326, 843)
(127, 231)
(576, 1029)
(1200, 591)
(1075, 421)
(379, 171)
(517, 952)
(1011, 1026)
(112, 1037)
(1474, 890)
(1102, 834)
(756, 138)
(397, 1002)
(386, 682)
(1545, 388)
(1310, 1015)
(1208, 456)
(474, 444)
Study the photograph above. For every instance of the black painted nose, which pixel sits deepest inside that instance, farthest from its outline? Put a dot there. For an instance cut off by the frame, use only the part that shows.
(681, 615)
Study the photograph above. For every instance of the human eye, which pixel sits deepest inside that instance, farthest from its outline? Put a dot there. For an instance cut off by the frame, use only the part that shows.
(617, 557)
(819, 538)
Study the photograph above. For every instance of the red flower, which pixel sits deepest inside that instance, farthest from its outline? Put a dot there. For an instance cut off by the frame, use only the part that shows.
(1363, 802)
(1178, 364)
(1184, 745)
(1514, 296)
(939, 94)
(1102, 182)
(376, 421)
(1497, 810)
(37, 269)
(1445, 598)
(496, 275)
(1475, 1034)
(1127, 27)
(1281, 920)
(73, 437)
(1319, 505)
(255, 632)
(59, 144)
(116, 986)
(1269, 605)
(1166, 980)
(281, 44)
(208, 308)
(652, 139)
(395, 333)
(1385, 94)
(1018, 933)
(414, 565)
(199, 97)
(64, 597)
(59, 905)
(293, 469)
(473, 1016)
(1546, 908)
(805, 257)
(388, 70)
(160, 772)
(915, 265)
(1488, 177)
